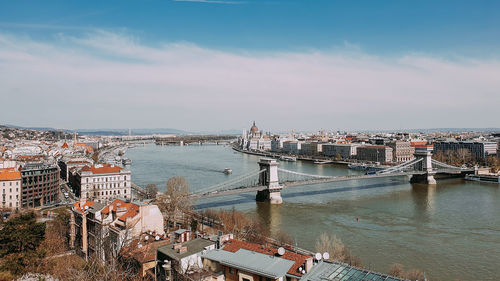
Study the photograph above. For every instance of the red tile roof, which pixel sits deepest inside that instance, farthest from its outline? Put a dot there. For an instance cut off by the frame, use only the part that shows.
(65, 145)
(7, 174)
(81, 207)
(132, 209)
(102, 169)
(235, 245)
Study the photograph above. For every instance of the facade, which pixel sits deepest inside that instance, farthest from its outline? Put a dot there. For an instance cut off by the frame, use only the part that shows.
(102, 183)
(346, 151)
(10, 187)
(311, 148)
(254, 140)
(69, 164)
(291, 147)
(103, 230)
(276, 145)
(479, 150)
(40, 184)
(374, 153)
(402, 151)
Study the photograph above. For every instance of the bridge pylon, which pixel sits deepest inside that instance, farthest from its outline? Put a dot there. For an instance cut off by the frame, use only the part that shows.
(424, 152)
(270, 179)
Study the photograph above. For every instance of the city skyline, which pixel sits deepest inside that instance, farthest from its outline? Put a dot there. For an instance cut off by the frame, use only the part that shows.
(215, 65)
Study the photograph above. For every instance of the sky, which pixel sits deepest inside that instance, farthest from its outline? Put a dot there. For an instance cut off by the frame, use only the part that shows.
(207, 65)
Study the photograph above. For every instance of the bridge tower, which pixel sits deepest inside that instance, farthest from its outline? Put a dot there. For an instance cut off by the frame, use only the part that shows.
(424, 152)
(269, 178)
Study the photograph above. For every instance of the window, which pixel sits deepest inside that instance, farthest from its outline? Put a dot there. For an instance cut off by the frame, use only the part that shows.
(231, 270)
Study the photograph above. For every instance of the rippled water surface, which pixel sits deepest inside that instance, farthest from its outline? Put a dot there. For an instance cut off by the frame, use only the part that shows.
(451, 231)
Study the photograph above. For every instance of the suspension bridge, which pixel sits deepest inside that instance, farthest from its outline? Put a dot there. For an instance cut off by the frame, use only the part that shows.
(269, 180)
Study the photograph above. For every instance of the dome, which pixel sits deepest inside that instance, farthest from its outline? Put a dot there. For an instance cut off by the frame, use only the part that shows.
(254, 128)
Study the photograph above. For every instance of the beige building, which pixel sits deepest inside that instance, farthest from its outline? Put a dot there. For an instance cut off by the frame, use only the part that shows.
(103, 230)
(10, 188)
(102, 183)
(402, 151)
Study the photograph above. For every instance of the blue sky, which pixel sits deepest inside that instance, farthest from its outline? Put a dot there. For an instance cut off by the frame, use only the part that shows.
(385, 27)
(432, 43)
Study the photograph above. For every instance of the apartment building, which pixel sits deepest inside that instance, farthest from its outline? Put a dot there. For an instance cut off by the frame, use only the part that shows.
(10, 187)
(374, 153)
(102, 183)
(40, 184)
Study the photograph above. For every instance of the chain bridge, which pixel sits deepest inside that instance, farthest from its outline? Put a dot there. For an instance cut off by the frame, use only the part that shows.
(269, 180)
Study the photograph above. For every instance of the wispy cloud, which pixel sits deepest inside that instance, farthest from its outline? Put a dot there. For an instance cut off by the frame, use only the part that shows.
(105, 79)
(213, 1)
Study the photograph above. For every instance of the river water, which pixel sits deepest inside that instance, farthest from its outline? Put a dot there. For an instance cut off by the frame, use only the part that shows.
(451, 231)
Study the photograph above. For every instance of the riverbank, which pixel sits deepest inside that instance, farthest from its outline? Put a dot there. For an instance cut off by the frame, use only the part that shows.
(278, 155)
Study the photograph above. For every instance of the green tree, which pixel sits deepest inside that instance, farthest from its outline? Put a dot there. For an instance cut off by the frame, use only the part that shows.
(21, 234)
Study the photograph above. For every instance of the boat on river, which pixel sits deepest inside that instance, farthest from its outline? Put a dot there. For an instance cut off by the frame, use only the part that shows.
(288, 158)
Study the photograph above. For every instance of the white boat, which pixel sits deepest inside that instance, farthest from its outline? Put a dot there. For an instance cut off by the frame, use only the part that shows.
(126, 161)
(227, 171)
(288, 158)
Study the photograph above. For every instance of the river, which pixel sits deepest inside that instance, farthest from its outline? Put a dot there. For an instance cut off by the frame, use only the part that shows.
(451, 231)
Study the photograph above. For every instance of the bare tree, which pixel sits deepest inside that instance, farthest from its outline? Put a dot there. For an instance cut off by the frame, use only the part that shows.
(175, 202)
(396, 270)
(151, 191)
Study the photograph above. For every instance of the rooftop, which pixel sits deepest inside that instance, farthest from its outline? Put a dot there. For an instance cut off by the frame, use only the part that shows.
(328, 271)
(298, 259)
(250, 261)
(102, 169)
(9, 174)
(193, 247)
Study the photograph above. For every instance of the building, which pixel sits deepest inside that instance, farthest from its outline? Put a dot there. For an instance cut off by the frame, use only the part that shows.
(291, 147)
(241, 260)
(254, 139)
(182, 258)
(102, 183)
(72, 164)
(10, 186)
(479, 150)
(103, 230)
(402, 151)
(40, 184)
(374, 153)
(311, 148)
(276, 144)
(345, 151)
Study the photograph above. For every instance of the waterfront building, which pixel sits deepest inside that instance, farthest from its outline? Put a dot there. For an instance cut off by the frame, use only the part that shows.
(311, 148)
(40, 184)
(276, 144)
(254, 140)
(102, 182)
(402, 151)
(345, 150)
(291, 147)
(374, 153)
(240, 260)
(479, 150)
(103, 230)
(10, 186)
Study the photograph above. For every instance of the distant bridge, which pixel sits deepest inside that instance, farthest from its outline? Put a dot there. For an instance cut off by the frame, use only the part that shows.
(269, 180)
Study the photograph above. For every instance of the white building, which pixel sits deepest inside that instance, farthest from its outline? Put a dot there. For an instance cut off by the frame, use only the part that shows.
(102, 183)
(10, 187)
